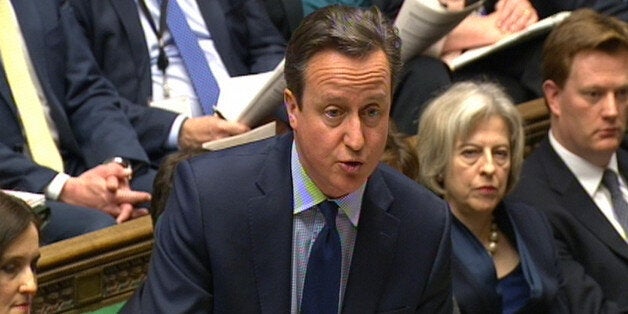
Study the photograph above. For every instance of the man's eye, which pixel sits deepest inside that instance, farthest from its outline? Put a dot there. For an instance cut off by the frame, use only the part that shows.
(373, 112)
(332, 112)
(593, 95)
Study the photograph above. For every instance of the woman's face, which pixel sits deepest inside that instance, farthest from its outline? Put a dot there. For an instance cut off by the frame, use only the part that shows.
(17, 273)
(477, 175)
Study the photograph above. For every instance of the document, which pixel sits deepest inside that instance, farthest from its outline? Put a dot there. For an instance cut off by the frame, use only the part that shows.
(422, 23)
(262, 132)
(539, 28)
(250, 99)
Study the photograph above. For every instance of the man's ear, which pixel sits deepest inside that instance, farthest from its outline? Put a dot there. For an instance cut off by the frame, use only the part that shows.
(552, 95)
(292, 107)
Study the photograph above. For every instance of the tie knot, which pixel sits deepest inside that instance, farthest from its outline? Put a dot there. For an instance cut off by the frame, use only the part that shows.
(610, 180)
(329, 210)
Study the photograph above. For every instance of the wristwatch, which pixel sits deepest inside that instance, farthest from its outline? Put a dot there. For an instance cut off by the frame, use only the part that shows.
(125, 163)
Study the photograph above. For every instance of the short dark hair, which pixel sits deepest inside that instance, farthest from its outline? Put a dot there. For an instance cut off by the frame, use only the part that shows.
(15, 217)
(584, 30)
(352, 31)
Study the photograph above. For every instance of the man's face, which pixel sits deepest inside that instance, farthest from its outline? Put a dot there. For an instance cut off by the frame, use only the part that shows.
(589, 112)
(341, 127)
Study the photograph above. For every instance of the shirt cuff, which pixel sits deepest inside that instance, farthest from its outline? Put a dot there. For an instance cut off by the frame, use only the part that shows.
(175, 129)
(53, 190)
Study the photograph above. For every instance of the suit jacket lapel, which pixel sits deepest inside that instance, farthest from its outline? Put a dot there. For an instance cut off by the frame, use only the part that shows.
(214, 17)
(5, 91)
(270, 221)
(575, 199)
(34, 34)
(374, 247)
(128, 12)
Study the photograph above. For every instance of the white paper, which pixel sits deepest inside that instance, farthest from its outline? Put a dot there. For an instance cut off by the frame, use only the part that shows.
(252, 98)
(265, 131)
(422, 23)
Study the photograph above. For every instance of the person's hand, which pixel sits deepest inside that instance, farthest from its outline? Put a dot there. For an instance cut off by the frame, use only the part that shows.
(515, 15)
(196, 131)
(106, 188)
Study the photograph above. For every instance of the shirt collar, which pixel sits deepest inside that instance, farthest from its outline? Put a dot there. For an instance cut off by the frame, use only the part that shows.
(588, 174)
(306, 194)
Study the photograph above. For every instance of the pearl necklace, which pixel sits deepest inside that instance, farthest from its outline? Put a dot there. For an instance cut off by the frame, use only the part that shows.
(493, 239)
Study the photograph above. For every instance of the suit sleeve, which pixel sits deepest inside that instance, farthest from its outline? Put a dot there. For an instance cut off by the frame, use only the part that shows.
(179, 276)
(18, 172)
(582, 293)
(92, 103)
(152, 125)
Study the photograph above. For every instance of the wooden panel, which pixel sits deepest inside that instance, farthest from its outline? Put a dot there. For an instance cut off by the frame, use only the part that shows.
(95, 269)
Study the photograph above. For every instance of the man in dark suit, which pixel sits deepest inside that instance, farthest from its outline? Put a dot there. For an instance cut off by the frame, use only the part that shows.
(236, 238)
(585, 69)
(83, 113)
(236, 37)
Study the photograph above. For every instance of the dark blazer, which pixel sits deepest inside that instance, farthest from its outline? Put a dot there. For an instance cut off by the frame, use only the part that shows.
(82, 104)
(243, 35)
(474, 278)
(224, 243)
(593, 256)
(287, 14)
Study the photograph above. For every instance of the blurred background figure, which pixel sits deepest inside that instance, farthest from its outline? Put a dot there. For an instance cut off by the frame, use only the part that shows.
(470, 152)
(19, 253)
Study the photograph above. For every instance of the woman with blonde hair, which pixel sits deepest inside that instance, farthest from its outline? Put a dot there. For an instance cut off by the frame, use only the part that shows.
(470, 153)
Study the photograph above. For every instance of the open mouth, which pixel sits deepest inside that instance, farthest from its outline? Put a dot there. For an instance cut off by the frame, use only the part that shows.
(351, 166)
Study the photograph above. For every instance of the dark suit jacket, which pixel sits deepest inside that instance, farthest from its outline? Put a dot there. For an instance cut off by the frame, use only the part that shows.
(594, 257)
(474, 278)
(83, 105)
(224, 243)
(287, 14)
(245, 39)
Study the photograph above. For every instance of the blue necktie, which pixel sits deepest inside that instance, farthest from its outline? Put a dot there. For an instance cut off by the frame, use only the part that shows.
(203, 80)
(620, 207)
(322, 279)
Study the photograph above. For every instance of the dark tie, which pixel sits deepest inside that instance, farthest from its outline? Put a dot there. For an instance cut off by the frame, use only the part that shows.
(620, 207)
(322, 279)
(203, 81)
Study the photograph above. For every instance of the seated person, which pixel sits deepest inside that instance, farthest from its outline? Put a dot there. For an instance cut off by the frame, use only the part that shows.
(137, 51)
(517, 68)
(277, 231)
(19, 253)
(63, 133)
(470, 153)
(577, 175)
